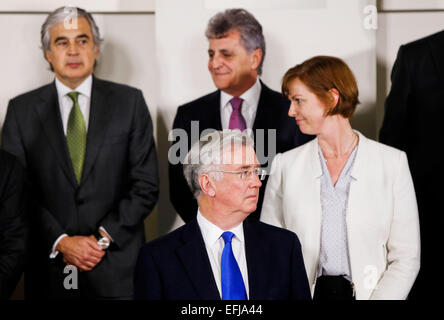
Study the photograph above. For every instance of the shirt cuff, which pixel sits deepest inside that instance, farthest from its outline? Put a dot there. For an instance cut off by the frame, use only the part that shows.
(54, 253)
(107, 234)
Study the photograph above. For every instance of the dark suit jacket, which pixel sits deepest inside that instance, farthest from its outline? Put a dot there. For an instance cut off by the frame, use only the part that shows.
(414, 111)
(118, 188)
(177, 267)
(12, 223)
(272, 113)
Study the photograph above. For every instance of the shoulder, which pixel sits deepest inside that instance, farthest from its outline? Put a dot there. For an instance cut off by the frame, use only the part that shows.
(200, 103)
(299, 153)
(378, 149)
(115, 87)
(274, 97)
(274, 235)
(165, 244)
(423, 44)
(375, 157)
(30, 96)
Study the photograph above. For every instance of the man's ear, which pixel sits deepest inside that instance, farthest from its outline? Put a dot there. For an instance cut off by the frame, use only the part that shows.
(47, 56)
(256, 58)
(207, 185)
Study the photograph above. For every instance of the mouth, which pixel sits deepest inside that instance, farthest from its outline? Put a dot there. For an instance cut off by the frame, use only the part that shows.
(298, 121)
(73, 64)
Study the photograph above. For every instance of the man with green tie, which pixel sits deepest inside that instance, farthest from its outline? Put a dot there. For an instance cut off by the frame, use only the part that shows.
(88, 149)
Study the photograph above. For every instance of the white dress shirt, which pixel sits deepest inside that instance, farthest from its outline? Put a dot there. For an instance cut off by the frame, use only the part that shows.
(214, 243)
(249, 105)
(66, 104)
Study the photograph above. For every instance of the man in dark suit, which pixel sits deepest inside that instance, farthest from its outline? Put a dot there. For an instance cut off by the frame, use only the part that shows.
(220, 255)
(236, 55)
(414, 110)
(12, 224)
(88, 149)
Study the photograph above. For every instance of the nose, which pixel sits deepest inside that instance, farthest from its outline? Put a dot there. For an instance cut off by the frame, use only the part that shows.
(255, 181)
(292, 110)
(72, 48)
(215, 61)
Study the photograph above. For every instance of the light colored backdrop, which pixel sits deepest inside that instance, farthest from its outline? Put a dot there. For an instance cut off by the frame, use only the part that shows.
(159, 47)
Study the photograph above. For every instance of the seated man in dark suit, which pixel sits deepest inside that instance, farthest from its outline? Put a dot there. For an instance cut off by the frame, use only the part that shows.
(12, 224)
(88, 150)
(219, 254)
(236, 55)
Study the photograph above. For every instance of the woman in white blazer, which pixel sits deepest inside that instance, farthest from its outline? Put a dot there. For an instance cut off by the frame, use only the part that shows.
(350, 200)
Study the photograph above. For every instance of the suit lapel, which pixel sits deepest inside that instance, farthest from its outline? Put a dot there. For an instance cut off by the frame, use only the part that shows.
(257, 263)
(213, 114)
(194, 257)
(264, 113)
(101, 111)
(49, 114)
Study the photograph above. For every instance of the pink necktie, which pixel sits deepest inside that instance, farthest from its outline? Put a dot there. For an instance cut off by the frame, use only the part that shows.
(237, 120)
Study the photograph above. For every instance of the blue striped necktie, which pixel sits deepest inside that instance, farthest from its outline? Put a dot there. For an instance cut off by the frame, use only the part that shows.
(233, 287)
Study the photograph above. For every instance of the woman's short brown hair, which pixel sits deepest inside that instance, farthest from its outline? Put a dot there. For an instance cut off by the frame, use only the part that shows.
(322, 73)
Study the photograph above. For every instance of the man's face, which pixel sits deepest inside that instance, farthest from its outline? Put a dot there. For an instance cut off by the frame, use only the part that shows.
(232, 193)
(72, 53)
(233, 70)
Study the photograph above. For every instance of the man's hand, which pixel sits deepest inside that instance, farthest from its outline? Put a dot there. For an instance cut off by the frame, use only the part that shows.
(81, 251)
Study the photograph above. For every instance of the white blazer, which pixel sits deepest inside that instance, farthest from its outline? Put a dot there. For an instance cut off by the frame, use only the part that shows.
(382, 215)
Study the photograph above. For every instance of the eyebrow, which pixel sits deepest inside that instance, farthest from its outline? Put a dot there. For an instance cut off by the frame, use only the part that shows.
(250, 166)
(83, 35)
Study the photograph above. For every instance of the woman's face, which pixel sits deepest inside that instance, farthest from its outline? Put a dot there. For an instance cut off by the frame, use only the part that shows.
(308, 110)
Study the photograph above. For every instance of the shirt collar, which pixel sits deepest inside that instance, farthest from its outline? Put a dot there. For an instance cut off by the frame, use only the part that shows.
(84, 88)
(251, 96)
(211, 233)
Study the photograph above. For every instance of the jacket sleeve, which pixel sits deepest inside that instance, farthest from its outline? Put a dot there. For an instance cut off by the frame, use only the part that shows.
(180, 194)
(394, 127)
(403, 245)
(300, 285)
(147, 283)
(272, 207)
(12, 142)
(143, 191)
(13, 227)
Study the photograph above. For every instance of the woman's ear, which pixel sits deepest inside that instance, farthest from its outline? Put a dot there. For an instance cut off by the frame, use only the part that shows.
(334, 94)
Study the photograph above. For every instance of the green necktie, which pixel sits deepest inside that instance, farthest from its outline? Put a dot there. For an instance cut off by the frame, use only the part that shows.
(76, 135)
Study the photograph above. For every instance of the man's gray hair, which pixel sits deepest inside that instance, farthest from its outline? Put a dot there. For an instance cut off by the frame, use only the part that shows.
(242, 21)
(207, 154)
(61, 15)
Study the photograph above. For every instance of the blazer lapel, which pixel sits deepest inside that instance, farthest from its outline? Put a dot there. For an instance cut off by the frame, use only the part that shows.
(101, 111)
(194, 257)
(49, 114)
(257, 263)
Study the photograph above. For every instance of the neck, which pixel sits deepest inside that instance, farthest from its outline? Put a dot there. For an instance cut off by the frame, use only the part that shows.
(220, 217)
(247, 83)
(338, 137)
(72, 83)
